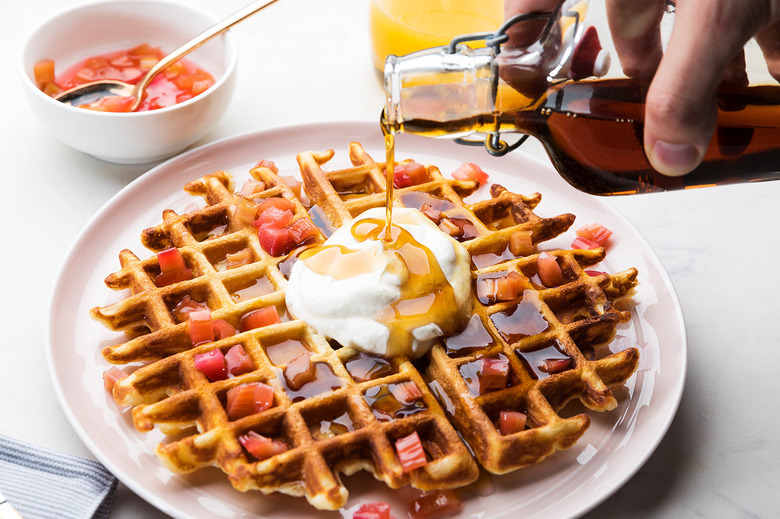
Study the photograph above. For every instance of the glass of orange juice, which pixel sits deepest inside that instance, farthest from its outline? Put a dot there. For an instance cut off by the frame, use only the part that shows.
(403, 26)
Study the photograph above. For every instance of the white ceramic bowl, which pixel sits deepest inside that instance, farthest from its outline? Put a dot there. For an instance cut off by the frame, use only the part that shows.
(97, 28)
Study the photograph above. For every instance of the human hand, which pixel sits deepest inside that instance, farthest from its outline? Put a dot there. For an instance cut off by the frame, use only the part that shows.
(704, 49)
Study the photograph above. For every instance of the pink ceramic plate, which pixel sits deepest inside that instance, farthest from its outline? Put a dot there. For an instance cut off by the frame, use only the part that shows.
(567, 484)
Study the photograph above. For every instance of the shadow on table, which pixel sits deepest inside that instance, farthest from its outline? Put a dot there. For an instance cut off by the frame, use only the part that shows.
(657, 483)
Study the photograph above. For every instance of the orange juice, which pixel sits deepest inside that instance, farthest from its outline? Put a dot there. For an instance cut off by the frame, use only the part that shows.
(403, 26)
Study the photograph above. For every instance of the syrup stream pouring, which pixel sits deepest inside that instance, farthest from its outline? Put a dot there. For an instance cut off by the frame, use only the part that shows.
(95, 90)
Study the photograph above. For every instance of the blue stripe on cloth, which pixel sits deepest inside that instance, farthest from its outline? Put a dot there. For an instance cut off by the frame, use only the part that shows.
(44, 484)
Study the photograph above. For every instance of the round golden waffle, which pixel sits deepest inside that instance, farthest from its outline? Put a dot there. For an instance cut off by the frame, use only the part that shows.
(340, 423)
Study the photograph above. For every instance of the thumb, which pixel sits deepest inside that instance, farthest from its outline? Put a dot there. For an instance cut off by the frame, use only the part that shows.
(680, 112)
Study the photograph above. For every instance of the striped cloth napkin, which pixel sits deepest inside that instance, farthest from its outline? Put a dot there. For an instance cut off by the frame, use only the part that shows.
(44, 484)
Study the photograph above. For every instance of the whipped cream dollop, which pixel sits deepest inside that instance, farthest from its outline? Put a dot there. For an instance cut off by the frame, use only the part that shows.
(386, 297)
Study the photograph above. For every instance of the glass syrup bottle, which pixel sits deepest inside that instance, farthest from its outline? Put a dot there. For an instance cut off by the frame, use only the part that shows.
(566, 94)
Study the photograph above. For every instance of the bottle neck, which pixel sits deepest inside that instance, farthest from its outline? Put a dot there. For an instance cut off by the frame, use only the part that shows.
(439, 86)
(452, 91)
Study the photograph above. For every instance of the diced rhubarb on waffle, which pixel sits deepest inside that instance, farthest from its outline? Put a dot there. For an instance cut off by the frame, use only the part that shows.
(238, 361)
(435, 504)
(510, 422)
(250, 398)
(261, 447)
(259, 318)
(410, 452)
(173, 268)
(212, 364)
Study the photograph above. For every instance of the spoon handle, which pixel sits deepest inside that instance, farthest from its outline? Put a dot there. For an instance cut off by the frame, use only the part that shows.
(199, 40)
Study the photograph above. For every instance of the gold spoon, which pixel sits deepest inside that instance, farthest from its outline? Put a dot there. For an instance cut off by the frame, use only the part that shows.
(110, 87)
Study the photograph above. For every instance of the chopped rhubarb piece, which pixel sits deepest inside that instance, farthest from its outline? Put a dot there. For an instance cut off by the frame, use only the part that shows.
(171, 260)
(172, 268)
(595, 232)
(493, 374)
(111, 104)
(555, 365)
(299, 371)
(274, 215)
(275, 240)
(247, 399)
(277, 202)
(240, 401)
(251, 187)
(511, 286)
(169, 278)
(486, 289)
(43, 71)
(85, 74)
(200, 326)
(144, 49)
(111, 376)
(296, 186)
(464, 224)
(406, 392)
(510, 422)
(184, 96)
(435, 504)
(450, 228)
(222, 329)
(470, 171)
(238, 361)
(261, 447)
(410, 451)
(521, 243)
(265, 163)
(264, 397)
(245, 211)
(584, 243)
(184, 307)
(201, 85)
(259, 318)
(239, 259)
(302, 230)
(51, 89)
(594, 273)
(409, 174)
(212, 364)
(549, 270)
(431, 212)
(377, 510)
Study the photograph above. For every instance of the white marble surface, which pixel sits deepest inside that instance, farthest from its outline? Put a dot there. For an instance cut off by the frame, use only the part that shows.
(309, 60)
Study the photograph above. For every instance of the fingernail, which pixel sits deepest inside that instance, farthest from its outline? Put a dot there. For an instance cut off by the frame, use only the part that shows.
(675, 159)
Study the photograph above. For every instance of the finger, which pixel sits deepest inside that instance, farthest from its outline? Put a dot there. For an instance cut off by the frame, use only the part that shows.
(769, 41)
(525, 33)
(736, 71)
(635, 26)
(680, 111)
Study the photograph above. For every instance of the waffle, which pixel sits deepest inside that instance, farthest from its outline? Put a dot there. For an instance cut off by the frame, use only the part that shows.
(340, 422)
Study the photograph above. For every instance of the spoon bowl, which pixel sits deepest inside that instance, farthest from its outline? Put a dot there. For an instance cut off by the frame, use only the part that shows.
(95, 90)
